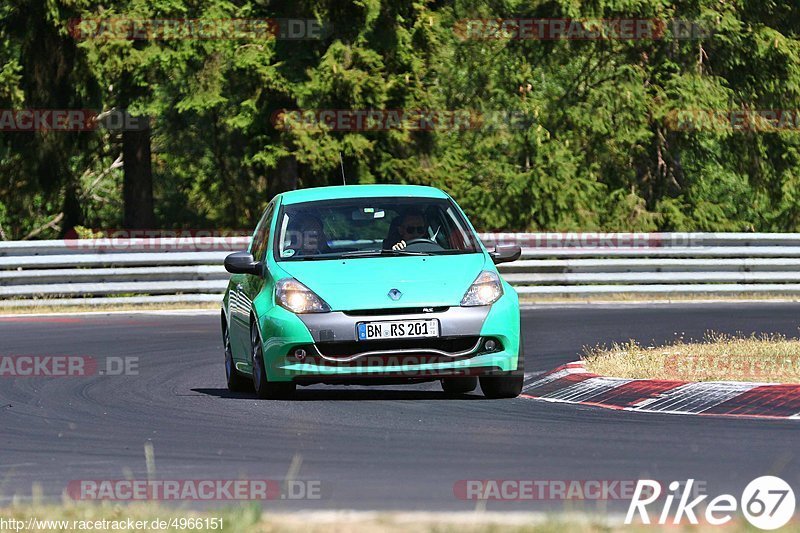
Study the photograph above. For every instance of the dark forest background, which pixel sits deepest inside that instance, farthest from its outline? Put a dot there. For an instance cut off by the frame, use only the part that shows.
(592, 144)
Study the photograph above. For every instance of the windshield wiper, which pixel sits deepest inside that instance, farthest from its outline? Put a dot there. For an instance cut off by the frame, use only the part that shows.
(313, 257)
(379, 253)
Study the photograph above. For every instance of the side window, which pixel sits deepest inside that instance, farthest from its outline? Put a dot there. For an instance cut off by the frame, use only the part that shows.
(261, 237)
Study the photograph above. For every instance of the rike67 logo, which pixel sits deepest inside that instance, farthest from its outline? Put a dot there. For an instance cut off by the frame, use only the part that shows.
(767, 502)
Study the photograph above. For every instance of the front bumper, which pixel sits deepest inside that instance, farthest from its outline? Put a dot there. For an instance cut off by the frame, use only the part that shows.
(332, 352)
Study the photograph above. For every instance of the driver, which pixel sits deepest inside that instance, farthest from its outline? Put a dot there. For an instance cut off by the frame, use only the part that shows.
(307, 236)
(411, 226)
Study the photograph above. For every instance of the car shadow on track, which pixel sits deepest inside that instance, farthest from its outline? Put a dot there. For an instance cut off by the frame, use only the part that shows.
(317, 395)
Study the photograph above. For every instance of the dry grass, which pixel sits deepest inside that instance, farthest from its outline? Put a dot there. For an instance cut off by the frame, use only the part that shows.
(766, 358)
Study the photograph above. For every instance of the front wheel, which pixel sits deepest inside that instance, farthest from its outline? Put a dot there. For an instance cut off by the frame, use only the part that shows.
(265, 389)
(459, 385)
(508, 384)
(505, 386)
(235, 381)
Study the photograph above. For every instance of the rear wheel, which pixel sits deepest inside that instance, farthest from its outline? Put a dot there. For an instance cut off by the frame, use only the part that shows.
(461, 385)
(265, 389)
(236, 382)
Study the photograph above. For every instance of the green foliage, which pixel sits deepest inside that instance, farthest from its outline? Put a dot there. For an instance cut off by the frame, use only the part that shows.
(570, 135)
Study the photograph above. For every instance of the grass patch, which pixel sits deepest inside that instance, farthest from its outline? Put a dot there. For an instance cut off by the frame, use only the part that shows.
(764, 358)
(252, 519)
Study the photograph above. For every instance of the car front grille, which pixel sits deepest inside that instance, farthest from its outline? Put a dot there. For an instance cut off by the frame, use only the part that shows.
(393, 351)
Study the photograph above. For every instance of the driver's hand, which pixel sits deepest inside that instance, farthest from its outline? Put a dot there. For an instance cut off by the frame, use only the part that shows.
(399, 246)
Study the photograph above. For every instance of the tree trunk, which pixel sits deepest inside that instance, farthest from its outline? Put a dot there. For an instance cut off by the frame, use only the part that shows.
(137, 182)
(284, 177)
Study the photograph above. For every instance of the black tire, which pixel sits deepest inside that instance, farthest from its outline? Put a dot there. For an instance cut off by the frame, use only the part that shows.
(460, 385)
(236, 382)
(504, 386)
(508, 384)
(265, 389)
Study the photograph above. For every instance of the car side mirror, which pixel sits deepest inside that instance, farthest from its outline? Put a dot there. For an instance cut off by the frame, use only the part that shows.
(243, 263)
(505, 253)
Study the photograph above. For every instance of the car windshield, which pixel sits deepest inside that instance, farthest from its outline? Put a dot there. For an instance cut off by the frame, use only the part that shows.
(372, 227)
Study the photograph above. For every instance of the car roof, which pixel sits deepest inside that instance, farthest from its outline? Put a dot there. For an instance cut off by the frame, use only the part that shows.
(359, 191)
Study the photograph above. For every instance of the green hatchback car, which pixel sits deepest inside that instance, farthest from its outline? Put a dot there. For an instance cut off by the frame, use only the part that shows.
(370, 284)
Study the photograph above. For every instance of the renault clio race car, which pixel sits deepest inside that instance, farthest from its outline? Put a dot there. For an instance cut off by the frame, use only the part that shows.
(370, 284)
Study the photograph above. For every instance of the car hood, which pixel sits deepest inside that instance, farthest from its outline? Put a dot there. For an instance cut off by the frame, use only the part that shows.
(364, 283)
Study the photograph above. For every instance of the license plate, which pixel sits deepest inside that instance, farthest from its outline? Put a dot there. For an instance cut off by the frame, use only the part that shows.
(397, 329)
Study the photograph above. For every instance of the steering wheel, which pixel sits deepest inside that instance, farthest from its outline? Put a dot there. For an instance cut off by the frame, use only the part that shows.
(422, 244)
(420, 240)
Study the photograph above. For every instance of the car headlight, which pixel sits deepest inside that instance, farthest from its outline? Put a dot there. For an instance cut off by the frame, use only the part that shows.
(485, 290)
(298, 298)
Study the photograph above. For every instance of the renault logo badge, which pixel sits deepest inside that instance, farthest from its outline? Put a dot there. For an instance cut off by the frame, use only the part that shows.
(395, 295)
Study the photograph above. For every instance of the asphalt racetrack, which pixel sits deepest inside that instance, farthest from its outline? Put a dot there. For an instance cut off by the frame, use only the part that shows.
(390, 447)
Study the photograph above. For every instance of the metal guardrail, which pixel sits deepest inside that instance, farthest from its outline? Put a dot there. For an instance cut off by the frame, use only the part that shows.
(190, 270)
